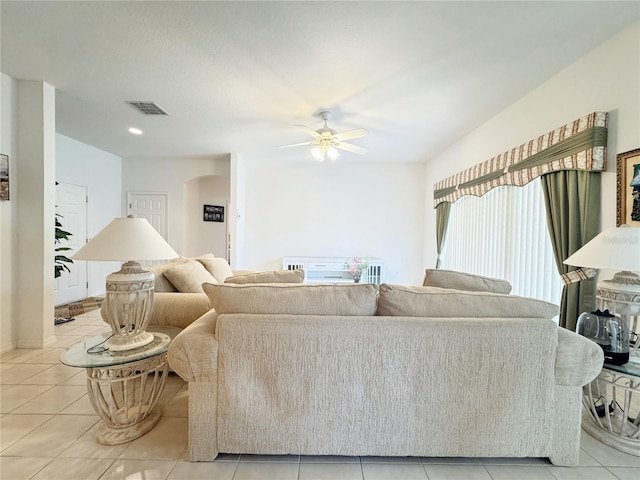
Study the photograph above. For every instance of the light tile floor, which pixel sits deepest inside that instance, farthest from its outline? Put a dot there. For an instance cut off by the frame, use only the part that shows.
(47, 431)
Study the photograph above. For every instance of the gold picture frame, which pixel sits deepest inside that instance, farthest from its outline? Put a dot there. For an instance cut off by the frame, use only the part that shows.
(628, 204)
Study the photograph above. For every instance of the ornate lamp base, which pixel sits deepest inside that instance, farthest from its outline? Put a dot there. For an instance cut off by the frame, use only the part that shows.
(119, 343)
(128, 305)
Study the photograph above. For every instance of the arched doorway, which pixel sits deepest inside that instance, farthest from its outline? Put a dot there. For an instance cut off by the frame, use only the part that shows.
(206, 233)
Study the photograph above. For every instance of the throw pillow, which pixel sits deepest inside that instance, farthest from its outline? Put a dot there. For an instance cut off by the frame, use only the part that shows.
(275, 276)
(464, 281)
(218, 267)
(162, 284)
(295, 299)
(398, 300)
(188, 277)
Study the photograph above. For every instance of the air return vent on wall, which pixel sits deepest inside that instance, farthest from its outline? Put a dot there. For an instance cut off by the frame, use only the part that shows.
(147, 108)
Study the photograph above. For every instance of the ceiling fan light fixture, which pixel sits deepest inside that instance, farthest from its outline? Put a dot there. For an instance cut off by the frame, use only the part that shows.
(317, 153)
(328, 143)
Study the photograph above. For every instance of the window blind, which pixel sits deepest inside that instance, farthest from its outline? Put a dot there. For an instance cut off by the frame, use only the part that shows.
(503, 234)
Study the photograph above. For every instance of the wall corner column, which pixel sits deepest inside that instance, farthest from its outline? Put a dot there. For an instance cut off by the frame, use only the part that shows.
(35, 194)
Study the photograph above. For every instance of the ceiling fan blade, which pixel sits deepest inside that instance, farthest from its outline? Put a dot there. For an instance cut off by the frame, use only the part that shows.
(351, 148)
(298, 144)
(357, 133)
(313, 133)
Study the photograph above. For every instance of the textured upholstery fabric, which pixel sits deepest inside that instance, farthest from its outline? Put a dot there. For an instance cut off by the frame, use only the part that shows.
(464, 281)
(399, 300)
(385, 386)
(274, 276)
(162, 284)
(194, 352)
(175, 309)
(188, 277)
(193, 355)
(575, 352)
(172, 310)
(218, 267)
(287, 298)
(367, 385)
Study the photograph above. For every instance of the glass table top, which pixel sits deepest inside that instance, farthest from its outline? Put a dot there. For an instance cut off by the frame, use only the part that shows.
(632, 367)
(77, 355)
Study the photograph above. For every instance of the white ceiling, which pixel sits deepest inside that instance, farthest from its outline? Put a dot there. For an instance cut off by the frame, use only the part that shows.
(236, 76)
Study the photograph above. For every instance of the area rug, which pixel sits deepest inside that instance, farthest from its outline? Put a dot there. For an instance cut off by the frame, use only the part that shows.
(66, 313)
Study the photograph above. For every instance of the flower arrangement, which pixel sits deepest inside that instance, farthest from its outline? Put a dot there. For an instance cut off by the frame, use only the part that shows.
(356, 266)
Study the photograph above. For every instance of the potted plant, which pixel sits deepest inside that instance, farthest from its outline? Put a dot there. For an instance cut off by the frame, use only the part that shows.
(356, 266)
(61, 261)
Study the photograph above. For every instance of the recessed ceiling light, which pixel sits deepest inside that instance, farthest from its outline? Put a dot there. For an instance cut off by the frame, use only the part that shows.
(135, 131)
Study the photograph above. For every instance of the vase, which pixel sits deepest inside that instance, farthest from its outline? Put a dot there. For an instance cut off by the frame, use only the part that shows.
(356, 279)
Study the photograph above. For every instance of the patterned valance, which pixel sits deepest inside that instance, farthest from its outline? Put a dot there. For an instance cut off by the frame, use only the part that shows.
(579, 145)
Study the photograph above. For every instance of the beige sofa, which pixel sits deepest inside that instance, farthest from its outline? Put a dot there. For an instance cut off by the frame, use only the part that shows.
(409, 371)
(178, 298)
(179, 304)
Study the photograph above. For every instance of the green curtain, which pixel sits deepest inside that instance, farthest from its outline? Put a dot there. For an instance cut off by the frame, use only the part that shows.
(442, 219)
(572, 200)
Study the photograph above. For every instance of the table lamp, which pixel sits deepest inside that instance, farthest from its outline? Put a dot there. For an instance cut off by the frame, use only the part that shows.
(615, 249)
(129, 292)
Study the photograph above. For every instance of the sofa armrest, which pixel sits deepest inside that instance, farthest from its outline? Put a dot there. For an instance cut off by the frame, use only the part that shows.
(174, 309)
(193, 354)
(578, 359)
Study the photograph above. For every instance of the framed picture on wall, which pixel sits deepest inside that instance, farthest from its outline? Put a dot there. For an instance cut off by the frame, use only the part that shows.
(4, 177)
(213, 213)
(628, 188)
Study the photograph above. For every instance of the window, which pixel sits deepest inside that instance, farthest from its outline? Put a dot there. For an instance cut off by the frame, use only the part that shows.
(503, 234)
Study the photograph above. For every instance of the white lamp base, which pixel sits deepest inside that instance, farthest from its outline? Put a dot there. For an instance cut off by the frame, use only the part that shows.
(128, 305)
(119, 343)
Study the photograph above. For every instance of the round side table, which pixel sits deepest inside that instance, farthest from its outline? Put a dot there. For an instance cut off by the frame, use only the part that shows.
(611, 403)
(123, 386)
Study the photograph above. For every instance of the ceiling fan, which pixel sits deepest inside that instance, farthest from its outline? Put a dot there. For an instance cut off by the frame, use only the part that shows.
(327, 141)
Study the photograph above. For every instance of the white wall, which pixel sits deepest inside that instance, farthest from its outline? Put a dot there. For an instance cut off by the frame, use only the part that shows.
(607, 79)
(205, 237)
(81, 164)
(169, 175)
(75, 163)
(335, 209)
(8, 214)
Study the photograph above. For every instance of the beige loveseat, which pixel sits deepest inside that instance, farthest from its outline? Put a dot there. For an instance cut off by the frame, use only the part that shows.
(411, 371)
(179, 299)
(178, 296)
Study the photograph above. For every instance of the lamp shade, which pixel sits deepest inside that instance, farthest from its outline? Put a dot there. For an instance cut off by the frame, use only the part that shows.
(126, 239)
(612, 249)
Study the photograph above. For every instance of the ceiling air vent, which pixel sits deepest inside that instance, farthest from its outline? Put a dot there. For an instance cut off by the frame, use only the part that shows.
(147, 108)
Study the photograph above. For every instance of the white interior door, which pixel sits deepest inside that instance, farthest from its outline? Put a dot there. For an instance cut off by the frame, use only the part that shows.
(153, 207)
(71, 203)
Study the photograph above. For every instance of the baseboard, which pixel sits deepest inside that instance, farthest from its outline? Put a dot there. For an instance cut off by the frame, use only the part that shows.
(7, 348)
(47, 342)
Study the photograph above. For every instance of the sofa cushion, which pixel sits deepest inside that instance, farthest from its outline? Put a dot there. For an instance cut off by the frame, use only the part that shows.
(162, 284)
(399, 300)
(275, 276)
(189, 276)
(296, 299)
(435, 277)
(218, 267)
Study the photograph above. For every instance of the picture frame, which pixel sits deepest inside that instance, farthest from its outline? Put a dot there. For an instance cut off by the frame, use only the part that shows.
(628, 188)
(4, 177)
(213, 213)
